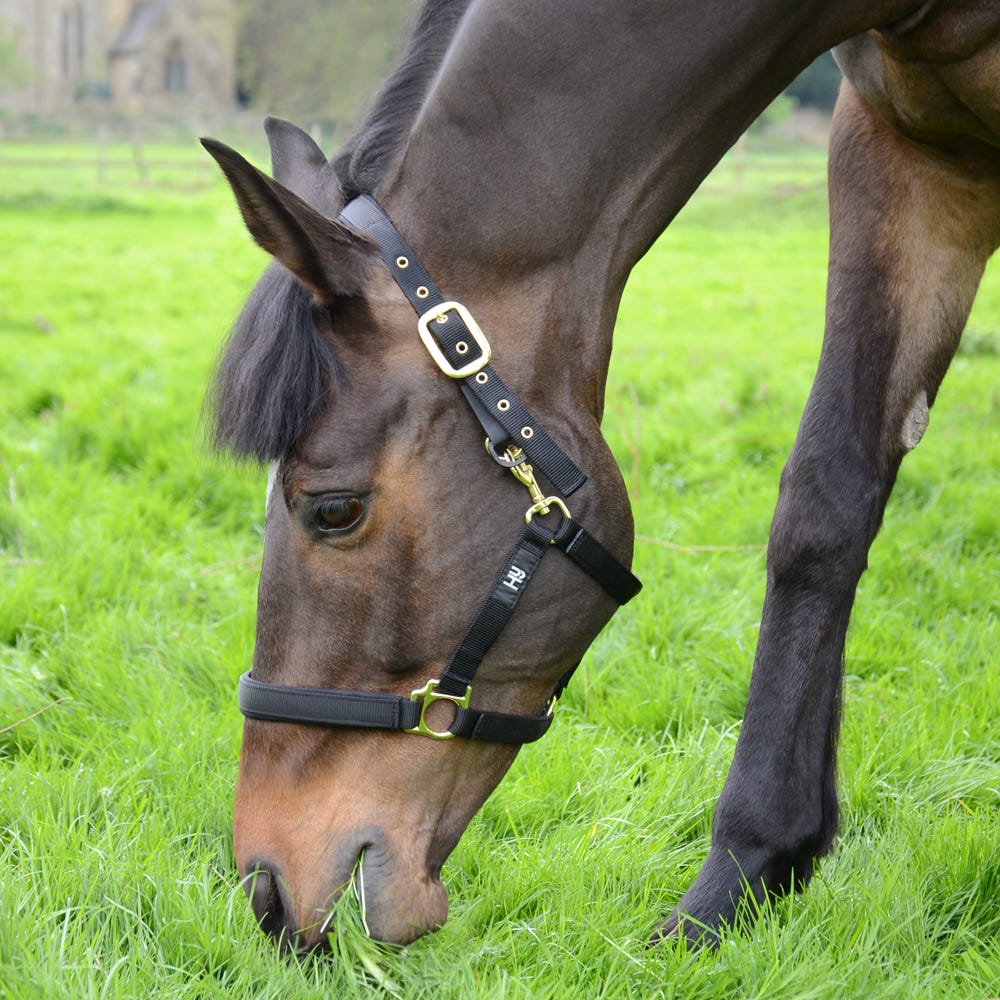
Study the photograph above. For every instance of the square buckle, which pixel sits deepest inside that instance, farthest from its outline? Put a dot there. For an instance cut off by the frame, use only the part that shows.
(426, 696)
(439, 314)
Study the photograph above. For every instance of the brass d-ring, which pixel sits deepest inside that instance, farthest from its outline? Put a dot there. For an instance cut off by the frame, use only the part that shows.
(427, 696)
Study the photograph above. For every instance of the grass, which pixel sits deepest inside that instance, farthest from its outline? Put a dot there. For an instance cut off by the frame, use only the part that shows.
(128, 561)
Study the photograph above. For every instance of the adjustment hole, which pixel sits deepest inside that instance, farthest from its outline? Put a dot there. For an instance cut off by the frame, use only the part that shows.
(527, 433)
(422, 292)
(462, 347)
(503, 405)
(402, 263)
(482, 378)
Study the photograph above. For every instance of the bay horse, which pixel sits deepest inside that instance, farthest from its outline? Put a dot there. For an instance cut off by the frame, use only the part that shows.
(509, 175)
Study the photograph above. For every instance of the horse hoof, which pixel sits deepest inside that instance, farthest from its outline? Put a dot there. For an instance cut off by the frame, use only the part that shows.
(694, 933)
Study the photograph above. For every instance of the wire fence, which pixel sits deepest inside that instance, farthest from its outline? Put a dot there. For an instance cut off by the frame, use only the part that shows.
(120, 152)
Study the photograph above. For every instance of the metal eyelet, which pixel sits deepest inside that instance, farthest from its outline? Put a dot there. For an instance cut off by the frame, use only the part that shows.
(462, 347)
(503, 405)
(422, 292)
(482, 378)
(402, 263)
(527, 433)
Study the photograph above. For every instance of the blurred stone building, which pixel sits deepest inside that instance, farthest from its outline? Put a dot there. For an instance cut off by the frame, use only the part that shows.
(162, 57)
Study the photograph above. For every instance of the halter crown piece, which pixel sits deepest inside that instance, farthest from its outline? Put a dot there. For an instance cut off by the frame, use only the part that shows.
(515, 440)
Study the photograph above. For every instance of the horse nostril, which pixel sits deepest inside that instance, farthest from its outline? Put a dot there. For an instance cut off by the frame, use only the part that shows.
(267, 899)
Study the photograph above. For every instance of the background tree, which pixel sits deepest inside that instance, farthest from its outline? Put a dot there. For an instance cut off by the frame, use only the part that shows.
(317, 60)
(320, 61)
(817, 85)
(13, 69)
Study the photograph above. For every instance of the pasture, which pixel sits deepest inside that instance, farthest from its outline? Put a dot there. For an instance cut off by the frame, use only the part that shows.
(128, 565)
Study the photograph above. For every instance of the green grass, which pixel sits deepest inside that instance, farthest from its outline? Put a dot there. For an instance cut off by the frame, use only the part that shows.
(128, 561)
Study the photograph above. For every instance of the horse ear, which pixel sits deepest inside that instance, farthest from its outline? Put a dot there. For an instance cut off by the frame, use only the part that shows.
(325, 255)
(299, 164)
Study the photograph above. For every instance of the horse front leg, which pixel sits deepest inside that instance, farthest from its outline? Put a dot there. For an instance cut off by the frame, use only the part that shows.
(911, 230)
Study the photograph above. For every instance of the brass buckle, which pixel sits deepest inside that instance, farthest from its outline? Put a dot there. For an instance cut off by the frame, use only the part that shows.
(439, 314)
(427, 696)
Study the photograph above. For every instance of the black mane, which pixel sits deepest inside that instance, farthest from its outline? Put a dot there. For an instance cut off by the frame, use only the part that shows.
(277, 368)
(275, 372)
(362, 161)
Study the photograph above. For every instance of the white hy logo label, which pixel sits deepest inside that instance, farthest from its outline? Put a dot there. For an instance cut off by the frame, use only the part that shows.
(515, 577)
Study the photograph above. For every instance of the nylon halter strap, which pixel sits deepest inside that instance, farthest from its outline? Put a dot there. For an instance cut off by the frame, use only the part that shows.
(514, 440)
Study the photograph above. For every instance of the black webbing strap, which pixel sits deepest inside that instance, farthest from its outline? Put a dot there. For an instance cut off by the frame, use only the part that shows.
(500, 727)
(592, 557)
(325, 706)
(496, 610)
(504, 418)
(369, 710)
(450, 334)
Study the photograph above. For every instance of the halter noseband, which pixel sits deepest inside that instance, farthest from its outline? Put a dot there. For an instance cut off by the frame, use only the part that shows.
(514, 440)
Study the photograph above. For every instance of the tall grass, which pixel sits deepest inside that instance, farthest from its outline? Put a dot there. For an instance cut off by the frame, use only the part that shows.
(129, 556)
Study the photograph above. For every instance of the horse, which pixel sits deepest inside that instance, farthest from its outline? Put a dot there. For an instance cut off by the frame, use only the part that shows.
(510, 173)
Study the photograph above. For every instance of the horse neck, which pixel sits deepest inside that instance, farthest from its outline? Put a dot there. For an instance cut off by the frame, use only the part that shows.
(552, 150)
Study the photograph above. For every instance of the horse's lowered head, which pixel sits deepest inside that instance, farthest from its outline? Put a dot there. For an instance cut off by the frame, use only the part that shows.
(387, 524)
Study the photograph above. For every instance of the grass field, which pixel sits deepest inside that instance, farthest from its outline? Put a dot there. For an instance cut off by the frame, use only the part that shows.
(128, 561)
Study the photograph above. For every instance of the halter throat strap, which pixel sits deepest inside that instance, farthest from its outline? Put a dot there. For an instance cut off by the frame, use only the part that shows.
(516, 441)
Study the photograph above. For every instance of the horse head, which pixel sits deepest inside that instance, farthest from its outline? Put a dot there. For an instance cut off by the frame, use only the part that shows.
(387, 523)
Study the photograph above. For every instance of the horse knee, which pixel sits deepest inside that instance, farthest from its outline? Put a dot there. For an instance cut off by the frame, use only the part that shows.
(823, 524)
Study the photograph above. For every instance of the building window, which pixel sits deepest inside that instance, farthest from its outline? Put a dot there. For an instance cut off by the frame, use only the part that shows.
(81, 35)
(73, 40)
(176, 68)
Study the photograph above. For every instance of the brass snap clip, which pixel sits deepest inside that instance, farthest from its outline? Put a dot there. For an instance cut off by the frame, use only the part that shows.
(525, 474)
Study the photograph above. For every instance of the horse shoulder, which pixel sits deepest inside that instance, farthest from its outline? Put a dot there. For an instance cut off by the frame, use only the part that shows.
(935, 77)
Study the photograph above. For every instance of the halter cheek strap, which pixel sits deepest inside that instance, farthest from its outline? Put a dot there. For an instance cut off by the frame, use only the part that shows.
(515, 441)
(462, 352)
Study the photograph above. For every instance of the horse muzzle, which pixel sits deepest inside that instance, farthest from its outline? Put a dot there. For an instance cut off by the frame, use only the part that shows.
(398, 902)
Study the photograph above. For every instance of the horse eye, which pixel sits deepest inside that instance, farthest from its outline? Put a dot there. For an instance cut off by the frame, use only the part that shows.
(337, 514)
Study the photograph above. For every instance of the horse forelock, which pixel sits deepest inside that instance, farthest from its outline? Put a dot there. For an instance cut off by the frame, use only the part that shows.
(275, 373)
(362, 162)
(277, 369)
